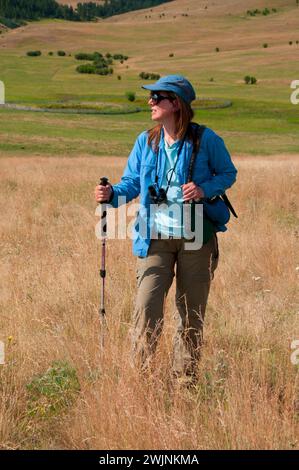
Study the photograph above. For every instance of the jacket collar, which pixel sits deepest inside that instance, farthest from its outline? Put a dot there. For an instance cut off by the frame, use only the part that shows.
(187, 143)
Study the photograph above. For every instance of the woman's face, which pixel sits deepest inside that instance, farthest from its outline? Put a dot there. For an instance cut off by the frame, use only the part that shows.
(162, 106)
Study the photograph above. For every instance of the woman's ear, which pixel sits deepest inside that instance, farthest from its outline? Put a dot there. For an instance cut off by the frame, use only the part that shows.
(176, 105)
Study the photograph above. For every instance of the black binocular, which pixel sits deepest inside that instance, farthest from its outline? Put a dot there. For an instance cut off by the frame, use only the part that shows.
(157, 197)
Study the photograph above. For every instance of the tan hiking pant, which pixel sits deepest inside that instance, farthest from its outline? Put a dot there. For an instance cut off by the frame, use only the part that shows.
(194, 272)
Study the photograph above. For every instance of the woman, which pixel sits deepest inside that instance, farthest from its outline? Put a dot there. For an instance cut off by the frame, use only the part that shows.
(159, 171)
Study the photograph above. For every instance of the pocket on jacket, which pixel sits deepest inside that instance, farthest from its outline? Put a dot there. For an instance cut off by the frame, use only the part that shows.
(147, 168)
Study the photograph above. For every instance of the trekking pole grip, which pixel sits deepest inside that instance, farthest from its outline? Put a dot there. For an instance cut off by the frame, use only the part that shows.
(103, 182)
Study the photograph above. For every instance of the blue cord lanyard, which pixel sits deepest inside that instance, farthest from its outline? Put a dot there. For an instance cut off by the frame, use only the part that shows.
(174, 167)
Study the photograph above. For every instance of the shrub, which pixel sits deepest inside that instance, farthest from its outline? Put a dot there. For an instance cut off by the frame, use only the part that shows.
(120, 57)
(149, 76)
(50, 53)
(131, 96)
(265, 45)
(118, 77)
(34, 53)
(290, 43)
(84, 56)
(171, 54)
(54, 390)
(103, 70)
(217, 49)
(88, 56)
(100, 62)
(86, 68)
(61, 53)
(250, 80)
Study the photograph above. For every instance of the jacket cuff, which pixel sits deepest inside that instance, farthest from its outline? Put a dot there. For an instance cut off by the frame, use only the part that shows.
(207, 190)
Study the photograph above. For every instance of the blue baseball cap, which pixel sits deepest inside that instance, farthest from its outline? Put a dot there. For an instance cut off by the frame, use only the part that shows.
(175, 83)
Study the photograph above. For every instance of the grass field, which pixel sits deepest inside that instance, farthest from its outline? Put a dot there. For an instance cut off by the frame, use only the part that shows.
(247, 396)
(57, 389)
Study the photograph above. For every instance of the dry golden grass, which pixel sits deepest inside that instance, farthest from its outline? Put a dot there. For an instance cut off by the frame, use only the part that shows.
(247, 396)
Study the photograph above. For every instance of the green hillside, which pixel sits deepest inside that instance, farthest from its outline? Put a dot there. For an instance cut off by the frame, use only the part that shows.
(178, 37)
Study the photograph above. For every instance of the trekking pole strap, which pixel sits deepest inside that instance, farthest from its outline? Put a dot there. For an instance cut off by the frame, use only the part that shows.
(229, 205)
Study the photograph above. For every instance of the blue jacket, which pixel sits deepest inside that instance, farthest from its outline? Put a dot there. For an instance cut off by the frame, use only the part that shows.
(213, 171)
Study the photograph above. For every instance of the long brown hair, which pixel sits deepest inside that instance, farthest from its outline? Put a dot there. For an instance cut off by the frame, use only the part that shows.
(184, 116)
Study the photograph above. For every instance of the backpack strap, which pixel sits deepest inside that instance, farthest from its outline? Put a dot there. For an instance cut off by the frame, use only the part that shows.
(196, 137)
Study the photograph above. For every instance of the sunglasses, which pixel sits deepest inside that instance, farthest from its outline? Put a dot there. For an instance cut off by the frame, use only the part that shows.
(156, 97)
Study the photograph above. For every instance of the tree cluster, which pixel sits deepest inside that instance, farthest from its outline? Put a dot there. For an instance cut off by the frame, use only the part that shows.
(264, 12)
(36, 9)
(149, 76)
(100, 65)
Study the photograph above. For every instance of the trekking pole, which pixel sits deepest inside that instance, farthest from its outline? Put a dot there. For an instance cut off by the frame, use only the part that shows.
(102, 312)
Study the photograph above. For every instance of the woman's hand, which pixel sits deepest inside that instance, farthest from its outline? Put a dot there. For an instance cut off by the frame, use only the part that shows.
(191, 191)
(102, 193)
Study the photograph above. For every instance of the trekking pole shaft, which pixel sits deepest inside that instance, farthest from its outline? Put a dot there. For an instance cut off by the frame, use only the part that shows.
(103, 275)
(103, 182)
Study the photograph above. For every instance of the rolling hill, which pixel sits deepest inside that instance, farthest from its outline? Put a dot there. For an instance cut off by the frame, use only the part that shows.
(177, 37)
